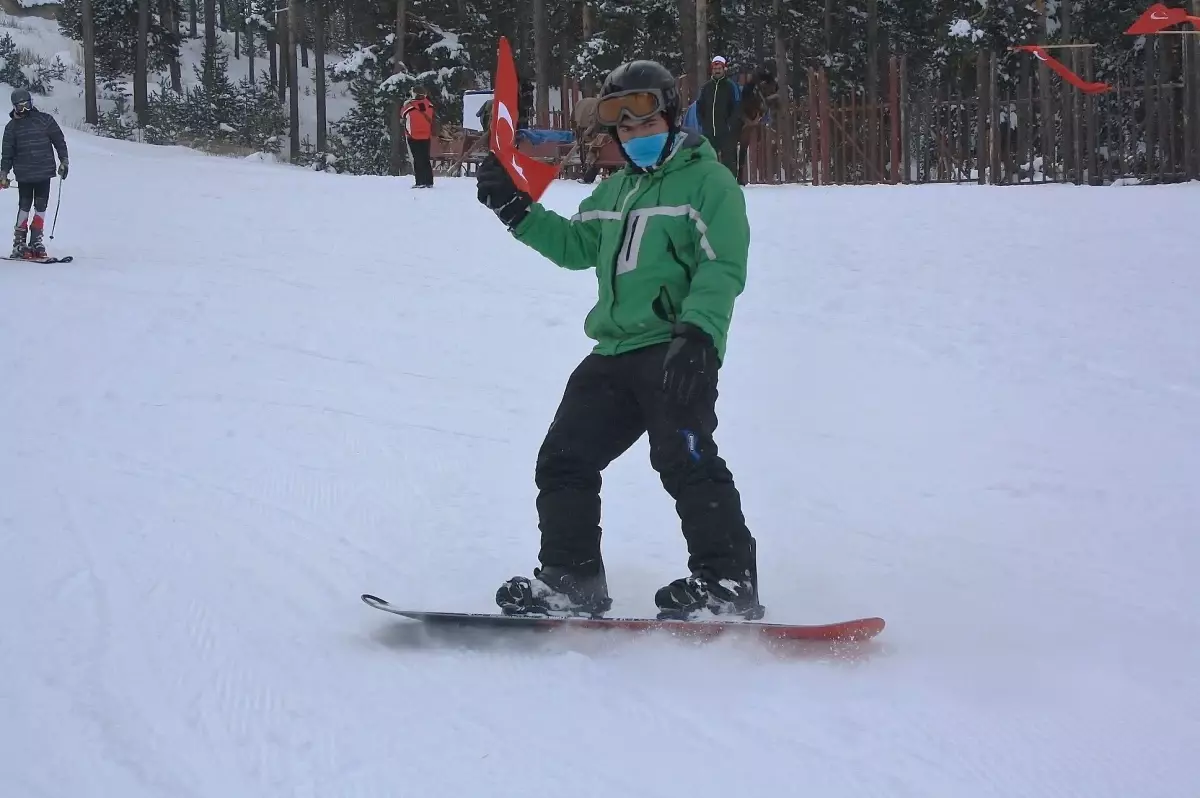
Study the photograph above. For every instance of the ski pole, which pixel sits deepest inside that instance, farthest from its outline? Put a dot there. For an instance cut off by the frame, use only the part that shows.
(57, 205)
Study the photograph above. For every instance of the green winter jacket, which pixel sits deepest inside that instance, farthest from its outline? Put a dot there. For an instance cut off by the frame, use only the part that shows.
(668, 246)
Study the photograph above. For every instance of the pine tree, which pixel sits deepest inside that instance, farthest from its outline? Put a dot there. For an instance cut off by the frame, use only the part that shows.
(360, 140)
(116, 26)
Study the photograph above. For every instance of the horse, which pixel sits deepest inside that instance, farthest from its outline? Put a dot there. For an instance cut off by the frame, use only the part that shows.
(589, 136)
(759, 94)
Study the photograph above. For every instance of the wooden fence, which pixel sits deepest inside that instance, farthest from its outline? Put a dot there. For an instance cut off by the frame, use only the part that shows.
(1146, 127)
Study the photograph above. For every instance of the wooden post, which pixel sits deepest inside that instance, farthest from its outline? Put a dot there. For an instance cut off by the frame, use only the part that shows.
(1192, 81)
(906, 122)
(827, 153)
(1047, 137)
(814, 128)
(1150, 75)
(981, 152)
(1093, 128)
(896, 167)
(996, 130)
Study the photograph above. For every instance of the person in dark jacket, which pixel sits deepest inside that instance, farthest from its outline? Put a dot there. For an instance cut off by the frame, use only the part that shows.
(31, 139)
(717, 110)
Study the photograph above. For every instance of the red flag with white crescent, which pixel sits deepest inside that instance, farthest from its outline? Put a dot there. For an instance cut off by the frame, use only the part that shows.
(1158, 18)
(529, 174)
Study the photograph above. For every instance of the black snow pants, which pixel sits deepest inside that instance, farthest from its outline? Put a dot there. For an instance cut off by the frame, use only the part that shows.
(727, 150)
(34, 194)
(422, 168)
(609, 402)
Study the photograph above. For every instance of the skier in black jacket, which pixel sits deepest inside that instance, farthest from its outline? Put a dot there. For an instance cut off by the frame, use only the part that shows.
(31, 139)
(717, 110)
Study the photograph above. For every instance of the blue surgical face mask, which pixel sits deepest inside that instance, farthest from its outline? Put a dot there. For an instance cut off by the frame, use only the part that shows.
(644, 150)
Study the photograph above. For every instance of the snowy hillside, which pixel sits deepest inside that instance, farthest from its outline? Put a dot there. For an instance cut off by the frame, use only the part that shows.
(41, 38)
(971, 411)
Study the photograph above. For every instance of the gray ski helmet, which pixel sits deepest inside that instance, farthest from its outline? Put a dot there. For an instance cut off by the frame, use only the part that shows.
(21, 96)
(642, 74)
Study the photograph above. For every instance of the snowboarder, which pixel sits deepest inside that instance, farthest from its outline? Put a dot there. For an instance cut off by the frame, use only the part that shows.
(31, 138)
(417, 114)
(668, 236)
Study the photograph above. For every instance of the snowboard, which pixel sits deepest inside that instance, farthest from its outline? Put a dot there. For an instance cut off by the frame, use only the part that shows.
(857, 630)
(47, 259)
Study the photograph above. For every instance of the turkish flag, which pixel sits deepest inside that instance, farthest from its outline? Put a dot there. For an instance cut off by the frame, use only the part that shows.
(1158, 18)
(529, 174)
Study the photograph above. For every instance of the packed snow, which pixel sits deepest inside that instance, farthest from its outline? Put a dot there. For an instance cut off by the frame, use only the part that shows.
(259, 391)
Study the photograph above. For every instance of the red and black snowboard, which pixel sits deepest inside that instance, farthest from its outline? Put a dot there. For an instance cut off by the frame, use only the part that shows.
(857, 630)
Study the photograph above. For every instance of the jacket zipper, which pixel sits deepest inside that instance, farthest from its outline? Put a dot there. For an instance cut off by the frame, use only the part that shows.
(617, 256)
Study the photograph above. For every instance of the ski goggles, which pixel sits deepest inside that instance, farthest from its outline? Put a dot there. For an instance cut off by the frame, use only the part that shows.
(637, 105)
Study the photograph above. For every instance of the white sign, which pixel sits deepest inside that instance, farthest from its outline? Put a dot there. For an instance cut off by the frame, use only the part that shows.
(472, 101)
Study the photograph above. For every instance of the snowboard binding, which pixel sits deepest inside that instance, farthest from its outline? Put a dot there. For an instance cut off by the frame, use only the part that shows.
(555, 592)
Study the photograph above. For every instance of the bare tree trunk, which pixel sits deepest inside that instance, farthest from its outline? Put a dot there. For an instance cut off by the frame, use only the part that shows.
(687, 30)
(193, 16)
(170, 20)
(248, 9)
(221, 6)
(293, 78)
(141, 104)
(319, 58)
(873, 116)
(270, 38)
(589, 24)
(828, 27)
(91, 113)
(398, 161)
(541, 63)
(281, 38)
(566, 44)
(303, 36)
(701, 42)
(210, 36)
(784, 118)
(759, 32)
(718, 35)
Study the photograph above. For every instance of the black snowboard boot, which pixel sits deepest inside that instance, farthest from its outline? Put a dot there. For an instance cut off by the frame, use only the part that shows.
(555, 591)
(692, 596)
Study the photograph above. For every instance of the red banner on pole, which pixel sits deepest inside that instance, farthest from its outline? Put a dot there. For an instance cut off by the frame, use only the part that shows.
(529, 174)
(1085, 86)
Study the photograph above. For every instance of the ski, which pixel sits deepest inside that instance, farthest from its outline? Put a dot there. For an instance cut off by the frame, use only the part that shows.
(47, 259)
(857, 630)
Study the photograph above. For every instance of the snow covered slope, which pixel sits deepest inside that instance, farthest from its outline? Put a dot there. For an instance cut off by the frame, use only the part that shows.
(259, 392)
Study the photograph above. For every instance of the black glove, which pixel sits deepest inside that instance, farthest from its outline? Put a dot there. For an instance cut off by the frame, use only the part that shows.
(62, 170)
(690, 367)
(498, 192)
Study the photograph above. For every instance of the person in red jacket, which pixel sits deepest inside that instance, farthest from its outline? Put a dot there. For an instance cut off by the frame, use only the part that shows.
(417, 115)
